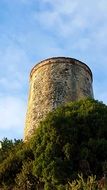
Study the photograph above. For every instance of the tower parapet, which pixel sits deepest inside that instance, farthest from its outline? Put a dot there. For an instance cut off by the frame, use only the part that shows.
(53, 82)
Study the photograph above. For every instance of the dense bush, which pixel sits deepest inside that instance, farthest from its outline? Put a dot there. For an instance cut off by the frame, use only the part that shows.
(7, 146)
(17, 155)
(71, 140)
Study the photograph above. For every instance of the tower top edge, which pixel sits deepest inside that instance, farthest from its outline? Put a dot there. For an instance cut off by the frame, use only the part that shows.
(49, 61)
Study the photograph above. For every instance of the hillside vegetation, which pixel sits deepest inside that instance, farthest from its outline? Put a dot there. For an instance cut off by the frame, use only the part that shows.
(66, 152)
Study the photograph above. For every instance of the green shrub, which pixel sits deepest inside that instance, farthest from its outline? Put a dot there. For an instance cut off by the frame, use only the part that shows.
(71, 140)
(81, 184)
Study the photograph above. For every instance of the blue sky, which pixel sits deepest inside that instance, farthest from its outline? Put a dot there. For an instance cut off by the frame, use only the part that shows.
(32, 30)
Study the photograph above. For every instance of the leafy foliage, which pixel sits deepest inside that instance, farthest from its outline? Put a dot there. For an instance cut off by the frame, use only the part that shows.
(71, 140)
(12, 164)
(80, 184)
(7, 146)
(25, 179)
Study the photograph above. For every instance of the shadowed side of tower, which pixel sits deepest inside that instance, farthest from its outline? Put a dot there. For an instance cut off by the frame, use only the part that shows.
(53, 82)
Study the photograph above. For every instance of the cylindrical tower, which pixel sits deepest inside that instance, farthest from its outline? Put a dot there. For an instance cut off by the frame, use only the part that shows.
(53, 82)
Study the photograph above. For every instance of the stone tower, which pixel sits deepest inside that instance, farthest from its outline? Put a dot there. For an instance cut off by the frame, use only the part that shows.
(53, 82)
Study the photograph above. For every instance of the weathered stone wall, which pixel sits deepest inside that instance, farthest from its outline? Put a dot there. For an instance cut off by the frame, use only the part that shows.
(53, 82)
